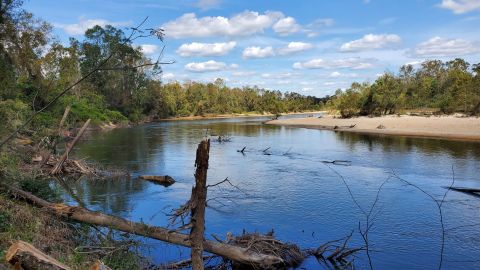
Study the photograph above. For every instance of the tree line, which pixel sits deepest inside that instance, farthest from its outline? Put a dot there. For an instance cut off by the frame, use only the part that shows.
(443, 87)
(35, 66)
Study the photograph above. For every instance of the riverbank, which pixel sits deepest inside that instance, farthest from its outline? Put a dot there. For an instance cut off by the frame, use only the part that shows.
(443, 127)
(226, 116)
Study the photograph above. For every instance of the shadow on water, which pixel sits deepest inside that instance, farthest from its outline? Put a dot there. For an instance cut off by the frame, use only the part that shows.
(453, 148)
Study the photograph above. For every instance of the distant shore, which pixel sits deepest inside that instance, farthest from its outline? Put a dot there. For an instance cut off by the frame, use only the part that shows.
(444, 127)
(226, 116)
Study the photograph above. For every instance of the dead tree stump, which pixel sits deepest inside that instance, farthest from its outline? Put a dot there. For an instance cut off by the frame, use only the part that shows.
(198, 200)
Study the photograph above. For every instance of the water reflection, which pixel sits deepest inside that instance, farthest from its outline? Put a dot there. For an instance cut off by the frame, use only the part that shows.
(456, 149)
(291, 190)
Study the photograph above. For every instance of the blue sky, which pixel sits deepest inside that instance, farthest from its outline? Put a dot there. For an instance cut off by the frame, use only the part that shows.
(311, 47)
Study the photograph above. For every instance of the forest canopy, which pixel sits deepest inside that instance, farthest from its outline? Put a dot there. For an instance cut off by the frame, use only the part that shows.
(35, 67)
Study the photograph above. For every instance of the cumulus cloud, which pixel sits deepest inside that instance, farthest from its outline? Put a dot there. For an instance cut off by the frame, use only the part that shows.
(149, 49)
(84, 24)
(257, 52)
(438, 46)
(460, 6)
(295, 47)
(242, 24)
(205, 49)
(370, 42)
(206, 66)
(286, 26)
(353, 63)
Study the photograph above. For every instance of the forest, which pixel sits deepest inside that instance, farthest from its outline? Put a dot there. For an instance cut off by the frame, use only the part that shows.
(443, 87)
(35, 67)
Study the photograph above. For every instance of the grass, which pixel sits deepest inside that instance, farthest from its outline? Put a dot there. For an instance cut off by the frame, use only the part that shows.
(53, 235)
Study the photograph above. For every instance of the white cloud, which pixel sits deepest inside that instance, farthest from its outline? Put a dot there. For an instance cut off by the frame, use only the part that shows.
(205, 49)
(257, 52)
(277, 76)
(206, 66)
(149, 49)
(208, 4)
(460, 6)
(168, 76)
(84, 24)
(438, 46)
(243, 73)
(414, 63)
(353, 63)
(294, 47)
(370, 42)
(242, 24)
(286, 26)
(337, 74)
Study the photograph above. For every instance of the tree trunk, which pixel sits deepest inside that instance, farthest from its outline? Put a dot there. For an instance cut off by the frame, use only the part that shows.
(231, 252)
(58, 167)
(199, 200)
(25, 256)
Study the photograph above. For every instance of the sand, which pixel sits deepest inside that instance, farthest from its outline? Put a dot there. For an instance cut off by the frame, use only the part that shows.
(446, 127)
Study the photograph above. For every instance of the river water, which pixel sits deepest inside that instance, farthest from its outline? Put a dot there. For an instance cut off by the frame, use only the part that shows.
(291, 191)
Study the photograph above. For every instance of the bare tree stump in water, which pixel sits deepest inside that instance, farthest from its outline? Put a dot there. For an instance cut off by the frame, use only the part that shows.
(198, 200)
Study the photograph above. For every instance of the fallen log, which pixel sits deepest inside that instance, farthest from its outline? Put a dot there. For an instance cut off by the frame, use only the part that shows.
(338, 162)
(58, 167)
(234, 253)
(22, 255)
(163, 180)
(471, 191)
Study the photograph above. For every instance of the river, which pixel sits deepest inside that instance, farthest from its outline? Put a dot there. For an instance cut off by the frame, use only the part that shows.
(291, 191)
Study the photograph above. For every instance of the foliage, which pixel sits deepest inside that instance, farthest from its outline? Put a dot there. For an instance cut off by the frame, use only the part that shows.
(448, 86)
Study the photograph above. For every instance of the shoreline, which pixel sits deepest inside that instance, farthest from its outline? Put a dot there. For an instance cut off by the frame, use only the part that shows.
(228, 116)
(434, 127)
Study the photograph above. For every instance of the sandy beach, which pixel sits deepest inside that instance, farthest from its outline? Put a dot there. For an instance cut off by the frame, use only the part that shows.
(446, 127)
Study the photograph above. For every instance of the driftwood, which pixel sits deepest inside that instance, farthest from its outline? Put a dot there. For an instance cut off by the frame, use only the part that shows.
(243, 150)
(472, 191)
(164, 180)
(58, 167)
(338, 162)
(22, 255)
(199, 200)
(234, 253)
